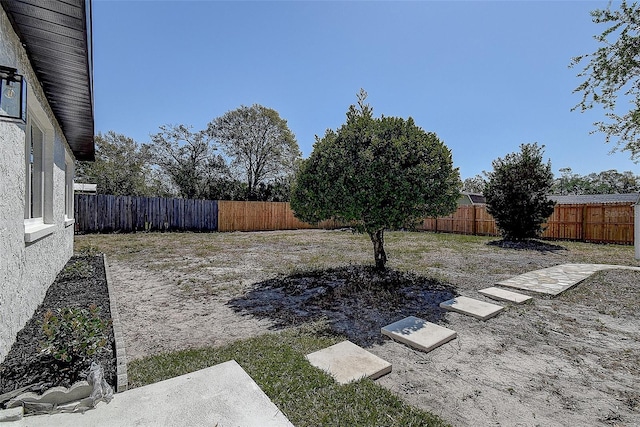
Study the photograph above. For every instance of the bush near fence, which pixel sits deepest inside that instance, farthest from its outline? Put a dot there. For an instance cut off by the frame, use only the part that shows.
(602, 223)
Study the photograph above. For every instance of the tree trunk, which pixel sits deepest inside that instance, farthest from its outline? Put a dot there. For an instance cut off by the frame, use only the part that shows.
(377, 237)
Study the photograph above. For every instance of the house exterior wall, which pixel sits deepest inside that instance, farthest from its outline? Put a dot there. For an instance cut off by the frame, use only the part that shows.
(28, 269)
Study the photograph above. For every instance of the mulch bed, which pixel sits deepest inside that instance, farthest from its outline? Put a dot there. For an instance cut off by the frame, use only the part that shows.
(355, 301)
(81, 283)
(527, 245)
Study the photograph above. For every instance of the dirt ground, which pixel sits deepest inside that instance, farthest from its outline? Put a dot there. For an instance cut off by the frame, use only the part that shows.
(573, 360)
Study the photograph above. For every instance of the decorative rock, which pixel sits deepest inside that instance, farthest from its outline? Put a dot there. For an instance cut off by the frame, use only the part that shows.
(418, 333)
(472, 307)
(347, 362)
(504, 295)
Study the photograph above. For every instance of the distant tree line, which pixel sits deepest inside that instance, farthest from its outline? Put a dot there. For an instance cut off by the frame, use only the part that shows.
(246, 154)
(569, 183)
(606, 182)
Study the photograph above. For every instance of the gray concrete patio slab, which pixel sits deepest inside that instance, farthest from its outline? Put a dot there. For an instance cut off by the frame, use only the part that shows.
(418, 333)
(347, 362)
(557, 279)
(504, 295)
(472, 307)
(222, 395)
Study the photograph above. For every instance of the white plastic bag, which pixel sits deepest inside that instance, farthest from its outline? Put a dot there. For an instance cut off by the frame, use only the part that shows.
(101, 390)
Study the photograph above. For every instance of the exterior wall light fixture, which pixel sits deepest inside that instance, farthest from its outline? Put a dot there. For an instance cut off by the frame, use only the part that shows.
(13, 95)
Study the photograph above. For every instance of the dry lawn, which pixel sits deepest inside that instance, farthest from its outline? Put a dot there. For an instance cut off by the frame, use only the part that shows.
(571, 360)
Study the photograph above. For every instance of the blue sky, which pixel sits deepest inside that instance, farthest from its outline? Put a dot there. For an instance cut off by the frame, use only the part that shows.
(484, 76)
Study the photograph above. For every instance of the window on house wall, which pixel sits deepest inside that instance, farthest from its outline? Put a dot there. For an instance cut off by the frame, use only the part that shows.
(38, 200)
(34, 200)
(69, 172)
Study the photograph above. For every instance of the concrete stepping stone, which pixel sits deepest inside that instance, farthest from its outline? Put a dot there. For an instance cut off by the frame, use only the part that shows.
(504, 295)
(418, 333)
(557, 279)
(472, 307)
(347, 362)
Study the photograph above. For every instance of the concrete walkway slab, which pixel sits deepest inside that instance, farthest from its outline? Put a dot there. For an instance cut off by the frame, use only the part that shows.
(557, 279)
(504, 295)
(347, 362)
(418, 333)
(472, 307)
(222, 395)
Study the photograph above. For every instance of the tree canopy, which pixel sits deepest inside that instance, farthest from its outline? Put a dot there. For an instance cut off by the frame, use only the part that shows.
(605, 182)
(259, 144)
(122, 166)
(376, 173)
(474, 184)
(188, 159)
(614, 70)
(517, 193)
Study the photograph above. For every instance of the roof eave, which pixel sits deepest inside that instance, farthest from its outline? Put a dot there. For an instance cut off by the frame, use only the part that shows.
(58, 65)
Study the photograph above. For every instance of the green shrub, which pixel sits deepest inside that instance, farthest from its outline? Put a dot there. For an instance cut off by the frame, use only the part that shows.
(517, 193)
(77, 269)
(74, 334)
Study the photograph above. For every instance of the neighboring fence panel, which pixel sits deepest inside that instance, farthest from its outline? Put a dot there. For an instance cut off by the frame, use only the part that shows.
(261, 216)
(609, 223)
(106, 214)
(602, 223)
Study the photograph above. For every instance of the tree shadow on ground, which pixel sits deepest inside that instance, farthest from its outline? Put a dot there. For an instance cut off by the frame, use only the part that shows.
(355, 301)
(527, 245)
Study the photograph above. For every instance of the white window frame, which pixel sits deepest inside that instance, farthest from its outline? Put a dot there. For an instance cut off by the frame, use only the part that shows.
(40, 223)
(69, 172)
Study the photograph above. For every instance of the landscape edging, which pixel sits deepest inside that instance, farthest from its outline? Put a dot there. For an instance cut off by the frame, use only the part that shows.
(122, 380)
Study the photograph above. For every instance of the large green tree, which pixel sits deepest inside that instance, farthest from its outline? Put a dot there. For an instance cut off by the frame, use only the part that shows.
(188, 158)
(376, 173)
(259, 144)
(614, 70)
(122, 166)
(517, 193)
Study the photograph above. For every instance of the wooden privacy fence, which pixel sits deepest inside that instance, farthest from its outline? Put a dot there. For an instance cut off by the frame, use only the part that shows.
(602, 222)
(262, 216)
(106, 214)
(257, 216)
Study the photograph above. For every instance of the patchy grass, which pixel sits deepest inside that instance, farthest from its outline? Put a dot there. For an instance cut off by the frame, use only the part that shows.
(599, 290)
(306, 395)
(228, 263)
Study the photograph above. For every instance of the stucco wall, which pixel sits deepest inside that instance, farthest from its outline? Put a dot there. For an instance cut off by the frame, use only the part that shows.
(26, 269)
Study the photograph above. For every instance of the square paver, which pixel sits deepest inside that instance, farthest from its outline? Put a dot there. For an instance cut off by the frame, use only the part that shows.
(504, 295)
(418, 333)
(347, 362)
(472, 307)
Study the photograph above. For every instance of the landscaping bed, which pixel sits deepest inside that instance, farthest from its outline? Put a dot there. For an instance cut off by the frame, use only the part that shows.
(79, 285)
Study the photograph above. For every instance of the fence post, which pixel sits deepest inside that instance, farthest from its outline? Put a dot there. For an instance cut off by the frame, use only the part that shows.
(636, 229)
(474, 226)
(583, 231)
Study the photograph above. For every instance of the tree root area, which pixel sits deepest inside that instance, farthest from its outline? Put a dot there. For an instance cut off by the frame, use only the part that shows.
(355, 301)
